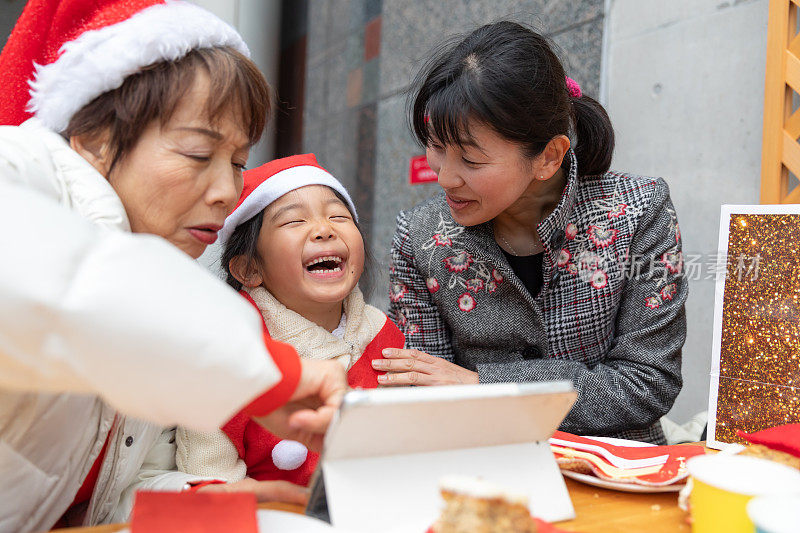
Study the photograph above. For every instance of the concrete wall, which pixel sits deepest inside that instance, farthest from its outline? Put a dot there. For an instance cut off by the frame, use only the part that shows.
(684, 85)
(362, 55)
(10, 11)
(258, 21)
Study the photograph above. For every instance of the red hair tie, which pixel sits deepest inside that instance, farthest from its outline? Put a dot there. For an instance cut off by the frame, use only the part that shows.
(573, 88)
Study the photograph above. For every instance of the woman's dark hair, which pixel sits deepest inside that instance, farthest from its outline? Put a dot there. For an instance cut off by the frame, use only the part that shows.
(506, 76)
(244, 239)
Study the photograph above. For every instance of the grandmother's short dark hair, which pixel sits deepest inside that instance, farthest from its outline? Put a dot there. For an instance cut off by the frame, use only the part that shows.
(155, 91)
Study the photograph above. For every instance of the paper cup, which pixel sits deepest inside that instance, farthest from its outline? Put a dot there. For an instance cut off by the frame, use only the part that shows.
(775, 514)
(724, 484)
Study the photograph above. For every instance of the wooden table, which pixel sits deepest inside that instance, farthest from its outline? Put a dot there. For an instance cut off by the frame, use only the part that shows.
(598, 510)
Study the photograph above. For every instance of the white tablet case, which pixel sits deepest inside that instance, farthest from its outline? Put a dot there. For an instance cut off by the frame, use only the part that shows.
(388, 448)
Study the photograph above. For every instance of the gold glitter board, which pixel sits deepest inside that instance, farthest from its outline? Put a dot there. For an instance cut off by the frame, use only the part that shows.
(755, 370)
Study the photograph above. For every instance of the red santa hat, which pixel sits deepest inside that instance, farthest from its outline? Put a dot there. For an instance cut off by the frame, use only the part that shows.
(270, 181)
(62, 54)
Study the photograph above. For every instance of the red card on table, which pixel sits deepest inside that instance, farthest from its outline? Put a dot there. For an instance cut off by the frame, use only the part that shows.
(194, 512)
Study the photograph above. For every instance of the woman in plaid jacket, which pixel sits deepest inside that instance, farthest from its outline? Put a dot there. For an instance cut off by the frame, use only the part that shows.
(536, 263)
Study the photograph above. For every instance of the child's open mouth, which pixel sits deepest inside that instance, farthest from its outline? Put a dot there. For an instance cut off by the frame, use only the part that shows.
(327, 265)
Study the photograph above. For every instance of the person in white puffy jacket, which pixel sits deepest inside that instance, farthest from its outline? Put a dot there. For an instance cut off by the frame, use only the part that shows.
(138, 120)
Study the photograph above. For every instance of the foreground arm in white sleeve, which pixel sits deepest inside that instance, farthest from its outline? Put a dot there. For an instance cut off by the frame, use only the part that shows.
(129, 318)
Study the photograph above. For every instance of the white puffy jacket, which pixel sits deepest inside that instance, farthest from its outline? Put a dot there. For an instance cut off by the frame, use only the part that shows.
(99, 330)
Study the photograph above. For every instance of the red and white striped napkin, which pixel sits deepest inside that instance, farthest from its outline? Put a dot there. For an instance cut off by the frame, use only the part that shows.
(654, 466)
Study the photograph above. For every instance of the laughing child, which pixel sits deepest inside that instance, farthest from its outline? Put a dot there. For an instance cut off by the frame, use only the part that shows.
(294, 250)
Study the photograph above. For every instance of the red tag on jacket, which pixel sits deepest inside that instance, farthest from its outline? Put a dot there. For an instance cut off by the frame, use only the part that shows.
(194, 512)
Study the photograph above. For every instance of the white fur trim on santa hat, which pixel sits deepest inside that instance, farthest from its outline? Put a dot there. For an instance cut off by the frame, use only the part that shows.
(276, 186)
(98, 61)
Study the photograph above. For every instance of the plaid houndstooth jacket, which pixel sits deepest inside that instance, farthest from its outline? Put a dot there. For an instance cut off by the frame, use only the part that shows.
(610, 316)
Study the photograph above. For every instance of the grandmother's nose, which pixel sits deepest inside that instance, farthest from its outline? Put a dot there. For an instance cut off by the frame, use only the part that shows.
(225, 188)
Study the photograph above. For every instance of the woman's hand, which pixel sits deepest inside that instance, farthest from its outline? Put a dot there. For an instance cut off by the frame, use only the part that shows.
(412, 367)
(306, 416)
(265, 491)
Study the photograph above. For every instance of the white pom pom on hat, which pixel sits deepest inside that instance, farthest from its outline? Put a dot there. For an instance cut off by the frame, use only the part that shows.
(289, 455)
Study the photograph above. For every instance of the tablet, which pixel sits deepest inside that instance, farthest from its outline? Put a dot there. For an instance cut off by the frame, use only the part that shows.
(387, 448)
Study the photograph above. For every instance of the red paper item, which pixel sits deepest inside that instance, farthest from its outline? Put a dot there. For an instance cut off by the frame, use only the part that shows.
(194, 512)
(419, 171)
(626, 452)
(782, 438)
(671, 470)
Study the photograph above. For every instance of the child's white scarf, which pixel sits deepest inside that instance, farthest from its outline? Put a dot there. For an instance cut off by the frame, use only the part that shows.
(311, 341)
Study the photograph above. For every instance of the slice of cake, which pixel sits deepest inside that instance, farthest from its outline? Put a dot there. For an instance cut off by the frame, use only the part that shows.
(476, 506)
(759, 450)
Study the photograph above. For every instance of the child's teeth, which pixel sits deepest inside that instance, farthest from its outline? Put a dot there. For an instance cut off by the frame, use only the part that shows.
(326, 258)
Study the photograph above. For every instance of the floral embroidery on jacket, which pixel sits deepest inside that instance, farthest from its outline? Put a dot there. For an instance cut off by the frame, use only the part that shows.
(669, 291)
(397, 291)
(441, 240)
(432, 284)
(602, 237)
(653, 302)
(475, 284)
(665, 293)
(459, 262)
(585, 259)
(587, 263)
(618, 211)
(599, 279)
(675, 227)
(571, 231)
(673, 261)
(466, 302)
(563, 257)
(466, 271)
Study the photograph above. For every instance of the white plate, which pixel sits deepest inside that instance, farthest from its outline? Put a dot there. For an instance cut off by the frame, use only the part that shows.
(616, 485)
(274, 521)
(622, 442)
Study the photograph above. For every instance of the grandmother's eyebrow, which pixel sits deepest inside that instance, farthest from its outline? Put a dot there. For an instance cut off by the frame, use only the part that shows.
(204, 131)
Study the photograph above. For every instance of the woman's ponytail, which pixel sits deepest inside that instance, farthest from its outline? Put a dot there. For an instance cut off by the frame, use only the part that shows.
(595, 143)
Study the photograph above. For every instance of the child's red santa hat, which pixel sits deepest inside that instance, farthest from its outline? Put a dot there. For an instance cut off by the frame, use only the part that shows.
(270, 181)
(62, 54)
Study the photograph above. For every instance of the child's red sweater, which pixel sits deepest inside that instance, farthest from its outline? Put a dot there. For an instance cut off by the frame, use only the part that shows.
(255, 444)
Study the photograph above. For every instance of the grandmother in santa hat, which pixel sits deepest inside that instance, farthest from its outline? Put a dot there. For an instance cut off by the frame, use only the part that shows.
(122, 118)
